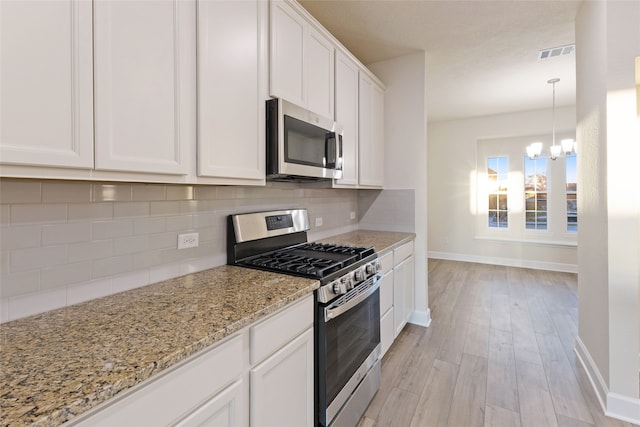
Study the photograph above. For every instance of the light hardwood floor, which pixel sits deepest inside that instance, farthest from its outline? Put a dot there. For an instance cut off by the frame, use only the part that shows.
(499, 352)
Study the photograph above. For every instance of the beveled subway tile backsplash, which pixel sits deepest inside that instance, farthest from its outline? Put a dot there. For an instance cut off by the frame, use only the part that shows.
(65, 242)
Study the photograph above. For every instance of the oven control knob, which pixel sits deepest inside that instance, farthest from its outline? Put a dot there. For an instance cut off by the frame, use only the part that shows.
(348, 283)
(358, 275)
(337, 289)
(370, 269)
(378, 266)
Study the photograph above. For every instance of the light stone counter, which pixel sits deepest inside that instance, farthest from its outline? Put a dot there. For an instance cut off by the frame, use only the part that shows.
(59, 364)
(56, 365)
(382, 241)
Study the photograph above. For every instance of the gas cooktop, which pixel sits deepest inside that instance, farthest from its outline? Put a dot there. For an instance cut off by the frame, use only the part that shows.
(316, 260)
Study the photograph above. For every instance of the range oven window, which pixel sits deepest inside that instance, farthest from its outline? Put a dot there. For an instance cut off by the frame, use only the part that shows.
(347, 341)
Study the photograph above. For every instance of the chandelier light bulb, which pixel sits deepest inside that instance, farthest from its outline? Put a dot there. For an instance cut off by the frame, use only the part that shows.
(568, 145)
(534, 149)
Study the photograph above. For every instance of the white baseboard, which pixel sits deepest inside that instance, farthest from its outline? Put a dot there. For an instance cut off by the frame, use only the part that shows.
(421, 318)
(593, 373)
(508, 262)
(623, 408)
(613, 405)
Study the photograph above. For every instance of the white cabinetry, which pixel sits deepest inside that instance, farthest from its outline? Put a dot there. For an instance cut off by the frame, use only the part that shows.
(301, 61)
(232, 71)
(396, 292)
(387, 330)
(224, 410)
(282, 386)
(274, 356)
(371, 133)
(282, 377)
(144, 85)
(403, 293)
(180, 392)
(347, 115)
(403, 285)
(46, 111)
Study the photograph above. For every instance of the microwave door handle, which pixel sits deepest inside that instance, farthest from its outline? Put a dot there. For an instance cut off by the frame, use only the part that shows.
(328, 137)
(338, 145)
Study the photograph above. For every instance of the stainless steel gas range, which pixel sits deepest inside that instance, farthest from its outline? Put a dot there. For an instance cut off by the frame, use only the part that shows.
(347, 308)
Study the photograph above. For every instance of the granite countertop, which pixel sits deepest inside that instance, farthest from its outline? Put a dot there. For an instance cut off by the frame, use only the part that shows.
(58, 364)
(382, 241)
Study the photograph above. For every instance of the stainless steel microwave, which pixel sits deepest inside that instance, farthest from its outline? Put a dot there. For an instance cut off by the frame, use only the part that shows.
(301, 145)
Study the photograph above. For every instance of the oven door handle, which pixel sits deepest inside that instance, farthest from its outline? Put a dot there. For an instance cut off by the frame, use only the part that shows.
(332, 313)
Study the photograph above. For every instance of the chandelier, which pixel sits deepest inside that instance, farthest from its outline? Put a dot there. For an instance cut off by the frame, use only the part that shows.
(567, 146)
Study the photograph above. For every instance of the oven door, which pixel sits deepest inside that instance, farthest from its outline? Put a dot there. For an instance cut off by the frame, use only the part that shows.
(348, 345)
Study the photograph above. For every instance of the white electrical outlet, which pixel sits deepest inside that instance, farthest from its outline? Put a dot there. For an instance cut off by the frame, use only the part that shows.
(352, 215)
(188, 240)
(319, 221)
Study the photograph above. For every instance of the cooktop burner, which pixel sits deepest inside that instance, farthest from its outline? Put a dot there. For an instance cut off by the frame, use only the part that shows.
(309, 259)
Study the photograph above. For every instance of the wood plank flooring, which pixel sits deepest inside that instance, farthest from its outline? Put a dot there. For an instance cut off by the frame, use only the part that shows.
(499, 353)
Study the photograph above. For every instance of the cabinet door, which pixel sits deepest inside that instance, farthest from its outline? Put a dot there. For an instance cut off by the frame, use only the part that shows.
(144, 85)
(287, 54)
(347, 115)
(319, 77)
(231, 88)
(46, 110)
(226, 409)
(282, 386)
(173, 394)
(387, 333)
(403, 293)
(386, 292)
(371, 149)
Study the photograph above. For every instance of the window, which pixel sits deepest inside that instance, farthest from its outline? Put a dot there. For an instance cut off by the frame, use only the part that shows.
(571, 180)
(523, 200)
(535, 193)
(497, 175)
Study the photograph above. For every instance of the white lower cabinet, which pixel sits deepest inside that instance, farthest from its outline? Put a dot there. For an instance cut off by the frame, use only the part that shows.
(224, 410)
(387, 334)
(282, 386)
(386, 306)
(222, 386)
(397, 295)
(403, 299)
(174, 394)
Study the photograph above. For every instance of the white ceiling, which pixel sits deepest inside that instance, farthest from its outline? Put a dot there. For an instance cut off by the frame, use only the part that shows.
(481, 54)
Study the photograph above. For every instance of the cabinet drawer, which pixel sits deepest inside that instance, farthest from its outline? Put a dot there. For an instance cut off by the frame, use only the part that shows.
(386, 261)
(273, 333)
(175, 393)
(403, 252)
(386, 293)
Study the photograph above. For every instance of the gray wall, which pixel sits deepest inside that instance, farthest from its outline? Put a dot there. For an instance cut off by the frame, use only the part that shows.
(64, 242)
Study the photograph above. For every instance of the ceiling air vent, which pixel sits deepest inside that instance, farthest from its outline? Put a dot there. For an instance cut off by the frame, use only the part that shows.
(556, 51)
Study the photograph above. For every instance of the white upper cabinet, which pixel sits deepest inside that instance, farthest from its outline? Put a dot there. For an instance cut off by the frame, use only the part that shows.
(301, 61)
(371, 137)
(346, 101)
(46, 98)
(320, 72)
(144, 53)
(232, 74)
(286, 75)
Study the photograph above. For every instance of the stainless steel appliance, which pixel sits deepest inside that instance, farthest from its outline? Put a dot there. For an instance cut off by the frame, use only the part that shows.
(347, 309)
(301, 145)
